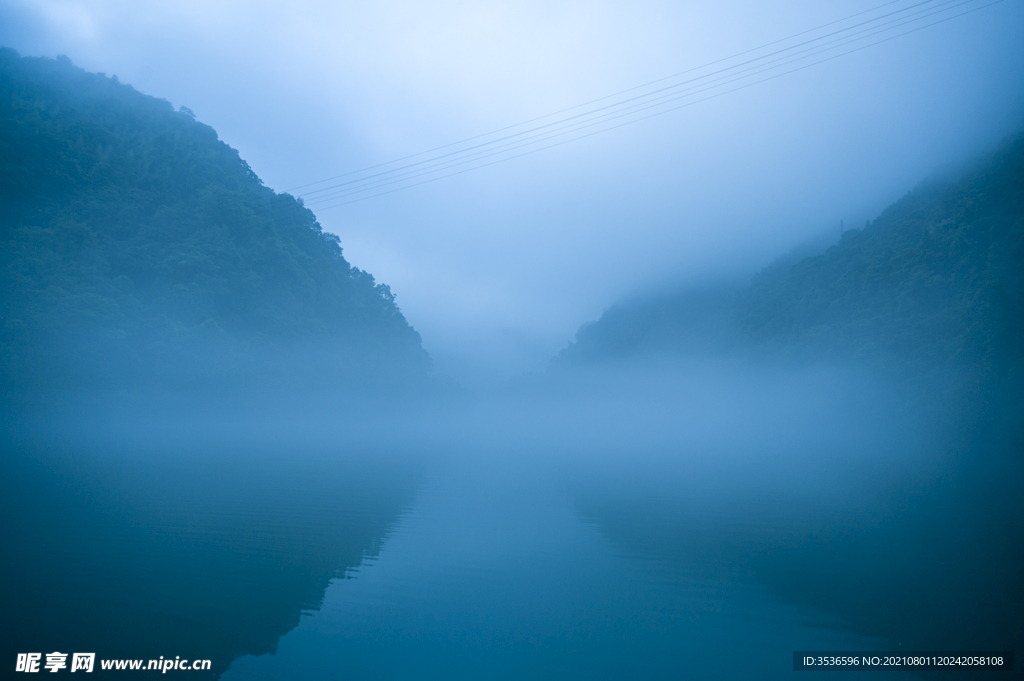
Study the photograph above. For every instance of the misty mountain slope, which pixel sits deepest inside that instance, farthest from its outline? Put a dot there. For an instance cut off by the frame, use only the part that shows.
(697, 321)
(937, 278)
(132, 239)
(934, 284)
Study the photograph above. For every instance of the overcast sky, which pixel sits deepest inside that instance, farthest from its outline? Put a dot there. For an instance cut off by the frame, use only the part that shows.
(498, 267)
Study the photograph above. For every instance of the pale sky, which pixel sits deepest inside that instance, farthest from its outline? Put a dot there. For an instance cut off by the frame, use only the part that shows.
(498, 267)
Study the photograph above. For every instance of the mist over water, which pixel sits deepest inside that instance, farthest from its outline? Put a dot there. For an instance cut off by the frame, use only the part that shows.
(649, 516)
(677, 399)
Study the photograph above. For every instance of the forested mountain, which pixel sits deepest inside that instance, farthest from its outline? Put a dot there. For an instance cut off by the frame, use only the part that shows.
(931, 288)
(927, 302)
(136, 244)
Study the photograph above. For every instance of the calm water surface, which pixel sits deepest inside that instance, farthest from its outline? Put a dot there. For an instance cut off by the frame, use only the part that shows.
(493, 573)
(712, 556)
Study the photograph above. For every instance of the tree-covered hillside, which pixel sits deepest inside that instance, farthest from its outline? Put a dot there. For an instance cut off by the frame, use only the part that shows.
(933, 287)
(135, 243)
(928, 301)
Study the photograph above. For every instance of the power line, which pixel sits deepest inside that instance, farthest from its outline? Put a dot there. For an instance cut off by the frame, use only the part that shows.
(599, 99)
(368, 187)
(742, 87)
(311, 195)
(411, 171)
(631, 107)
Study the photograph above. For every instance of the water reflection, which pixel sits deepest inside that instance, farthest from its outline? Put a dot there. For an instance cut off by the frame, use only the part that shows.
(704, 521)
(199, 551)
(928, 561)
(494, 574)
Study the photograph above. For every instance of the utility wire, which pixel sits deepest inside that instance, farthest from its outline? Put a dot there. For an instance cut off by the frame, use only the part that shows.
(586, 113)
(410, 175)
(682, 106)
(630, 107)
(358, 186)
(599, 99)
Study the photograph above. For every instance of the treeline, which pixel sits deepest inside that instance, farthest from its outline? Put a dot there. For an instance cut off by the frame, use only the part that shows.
(137, 246)
(932, 289)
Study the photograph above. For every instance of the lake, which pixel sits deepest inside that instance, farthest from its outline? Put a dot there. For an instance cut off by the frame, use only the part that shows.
(515, 550)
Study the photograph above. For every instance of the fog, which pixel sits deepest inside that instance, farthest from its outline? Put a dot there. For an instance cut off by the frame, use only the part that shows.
(717, 438)
(496, 268)
(221, 441)
(500, 523)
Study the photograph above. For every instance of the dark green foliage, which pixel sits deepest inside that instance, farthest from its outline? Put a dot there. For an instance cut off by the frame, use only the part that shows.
(933, 288)
(693, 321)
(937, 281)
(135, 241)
(930, 295)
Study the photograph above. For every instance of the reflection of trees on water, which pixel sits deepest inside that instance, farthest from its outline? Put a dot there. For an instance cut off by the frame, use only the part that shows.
(926, 564)
(201, 554)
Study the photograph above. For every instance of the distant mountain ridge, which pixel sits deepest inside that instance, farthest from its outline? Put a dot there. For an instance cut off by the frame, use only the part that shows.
(935, 284)
(134, 241)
